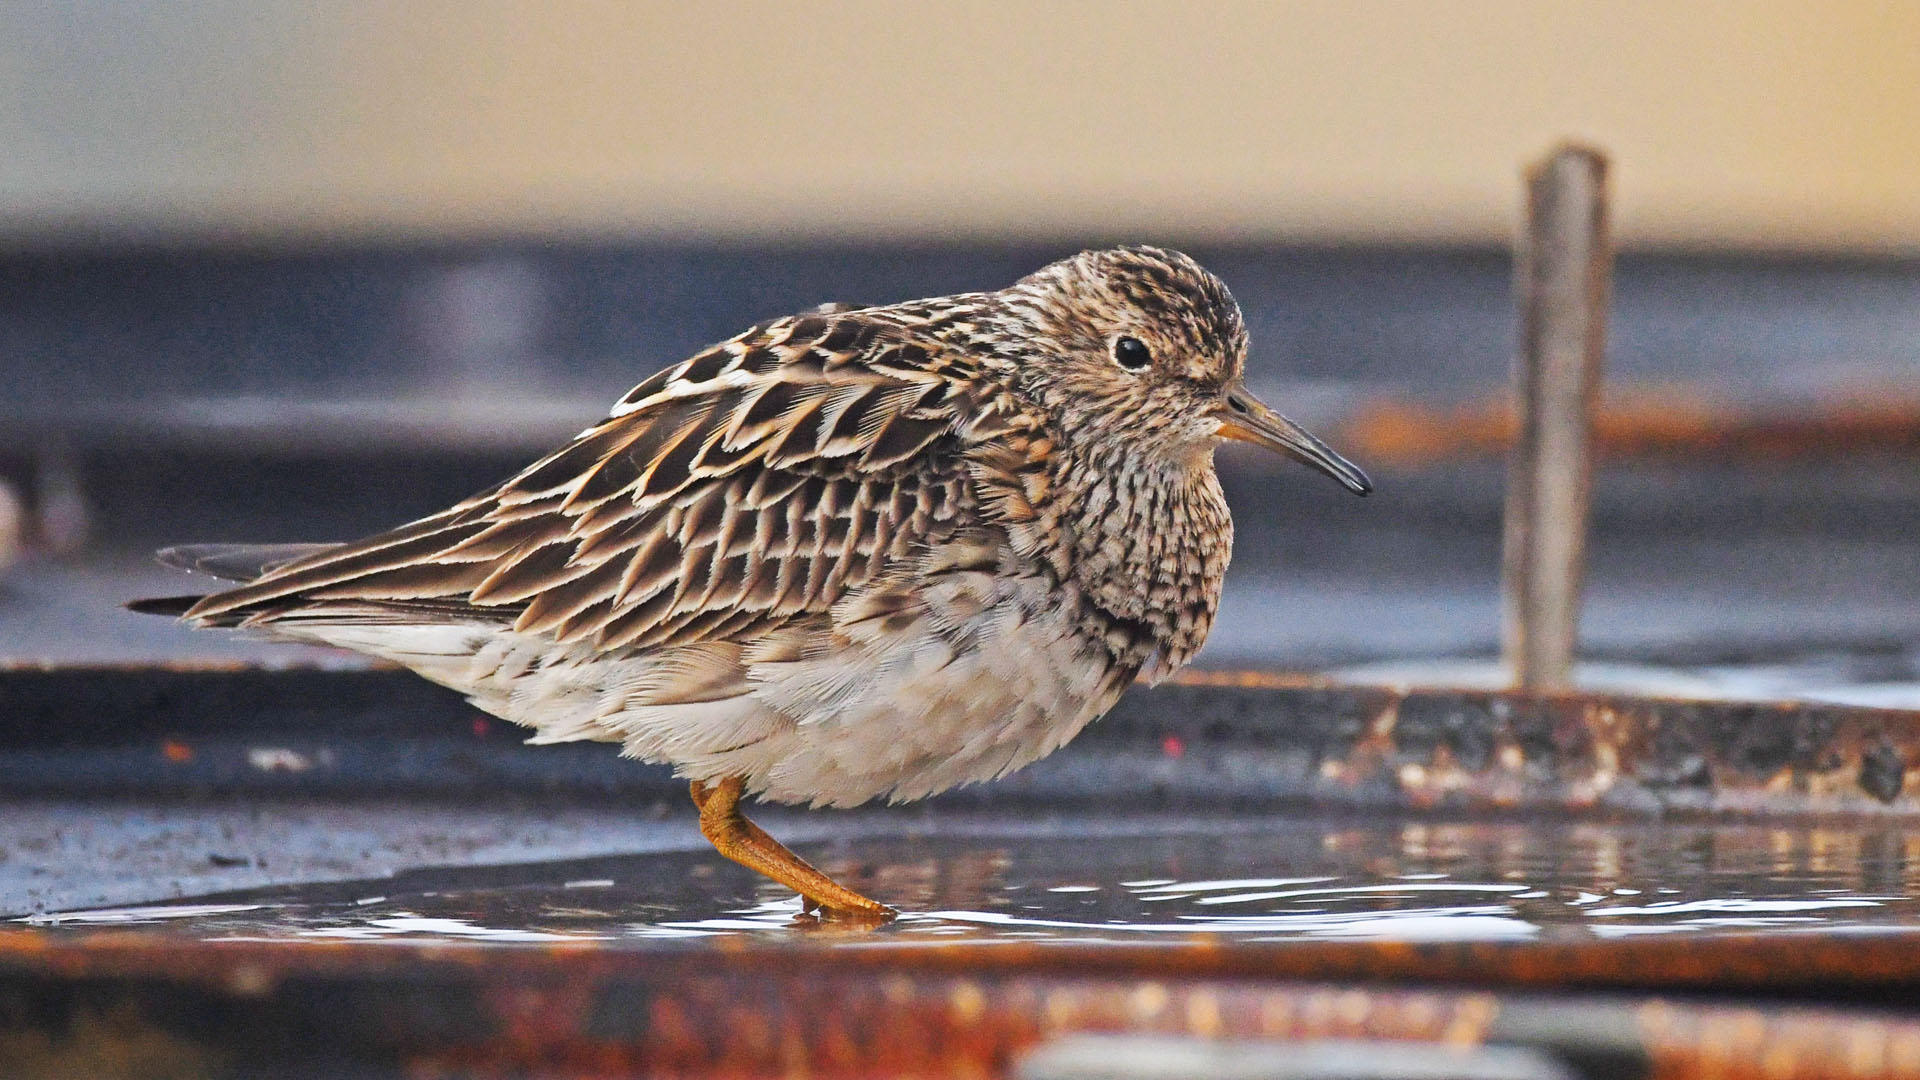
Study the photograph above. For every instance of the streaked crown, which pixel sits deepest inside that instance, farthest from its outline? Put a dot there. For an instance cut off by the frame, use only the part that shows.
(1136, 343)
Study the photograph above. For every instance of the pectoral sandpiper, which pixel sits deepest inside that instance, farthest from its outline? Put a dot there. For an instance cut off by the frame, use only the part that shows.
(860, 552)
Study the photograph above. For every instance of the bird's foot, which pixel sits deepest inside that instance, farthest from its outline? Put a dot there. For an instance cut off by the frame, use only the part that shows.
(867, 912)
(747, 844)
(818, 918)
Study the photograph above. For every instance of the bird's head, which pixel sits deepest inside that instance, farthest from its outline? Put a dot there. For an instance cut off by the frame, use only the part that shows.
(1141, 348)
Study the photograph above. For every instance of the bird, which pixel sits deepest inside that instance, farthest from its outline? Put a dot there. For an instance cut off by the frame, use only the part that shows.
(855, 553)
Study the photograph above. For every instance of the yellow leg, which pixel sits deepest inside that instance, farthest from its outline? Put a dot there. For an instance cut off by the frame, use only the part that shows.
(731, 834)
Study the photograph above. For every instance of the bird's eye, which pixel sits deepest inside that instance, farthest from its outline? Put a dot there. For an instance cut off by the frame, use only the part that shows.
(1131, 353)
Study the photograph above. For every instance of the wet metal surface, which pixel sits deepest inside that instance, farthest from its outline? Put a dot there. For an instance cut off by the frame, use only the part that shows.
(60, 854)
(1098, 879)
(1233, 856)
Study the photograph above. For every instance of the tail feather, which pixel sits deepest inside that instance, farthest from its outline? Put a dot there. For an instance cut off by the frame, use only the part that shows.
(229, 562)
(292, 612)
(175, 606)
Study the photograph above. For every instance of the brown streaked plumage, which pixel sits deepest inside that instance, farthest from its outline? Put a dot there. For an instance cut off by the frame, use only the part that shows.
(855, 553)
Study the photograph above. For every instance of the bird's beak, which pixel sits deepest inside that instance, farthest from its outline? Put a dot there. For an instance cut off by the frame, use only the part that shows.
(1244, 419)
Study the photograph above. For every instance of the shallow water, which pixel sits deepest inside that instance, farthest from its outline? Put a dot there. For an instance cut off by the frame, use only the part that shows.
(1074, 879)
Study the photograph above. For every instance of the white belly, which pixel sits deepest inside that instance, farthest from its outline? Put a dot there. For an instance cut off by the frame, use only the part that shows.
(989, 677)
(967, 680)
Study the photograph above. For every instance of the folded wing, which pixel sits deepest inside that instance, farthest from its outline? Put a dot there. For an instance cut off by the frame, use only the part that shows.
(759, 480)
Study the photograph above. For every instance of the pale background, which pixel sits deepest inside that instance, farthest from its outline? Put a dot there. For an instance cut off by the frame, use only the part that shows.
(1762, 124)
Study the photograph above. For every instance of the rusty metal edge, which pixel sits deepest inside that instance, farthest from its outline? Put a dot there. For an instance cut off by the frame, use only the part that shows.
(1809, 966)
(924, 1011)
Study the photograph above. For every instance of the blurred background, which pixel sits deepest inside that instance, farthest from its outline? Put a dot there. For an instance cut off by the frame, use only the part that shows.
(278, 271)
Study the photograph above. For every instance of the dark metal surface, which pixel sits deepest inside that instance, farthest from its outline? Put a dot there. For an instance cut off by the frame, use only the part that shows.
(382, 322)
(1202, 740)
(511, 347)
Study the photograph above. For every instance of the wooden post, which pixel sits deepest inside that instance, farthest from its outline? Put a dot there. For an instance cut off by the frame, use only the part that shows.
(1563, 272)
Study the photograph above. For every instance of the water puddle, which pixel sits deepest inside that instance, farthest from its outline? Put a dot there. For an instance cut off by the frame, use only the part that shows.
(1255, 880)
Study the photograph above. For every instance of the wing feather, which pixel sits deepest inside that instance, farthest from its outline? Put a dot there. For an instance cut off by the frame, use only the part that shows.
(758, 481)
